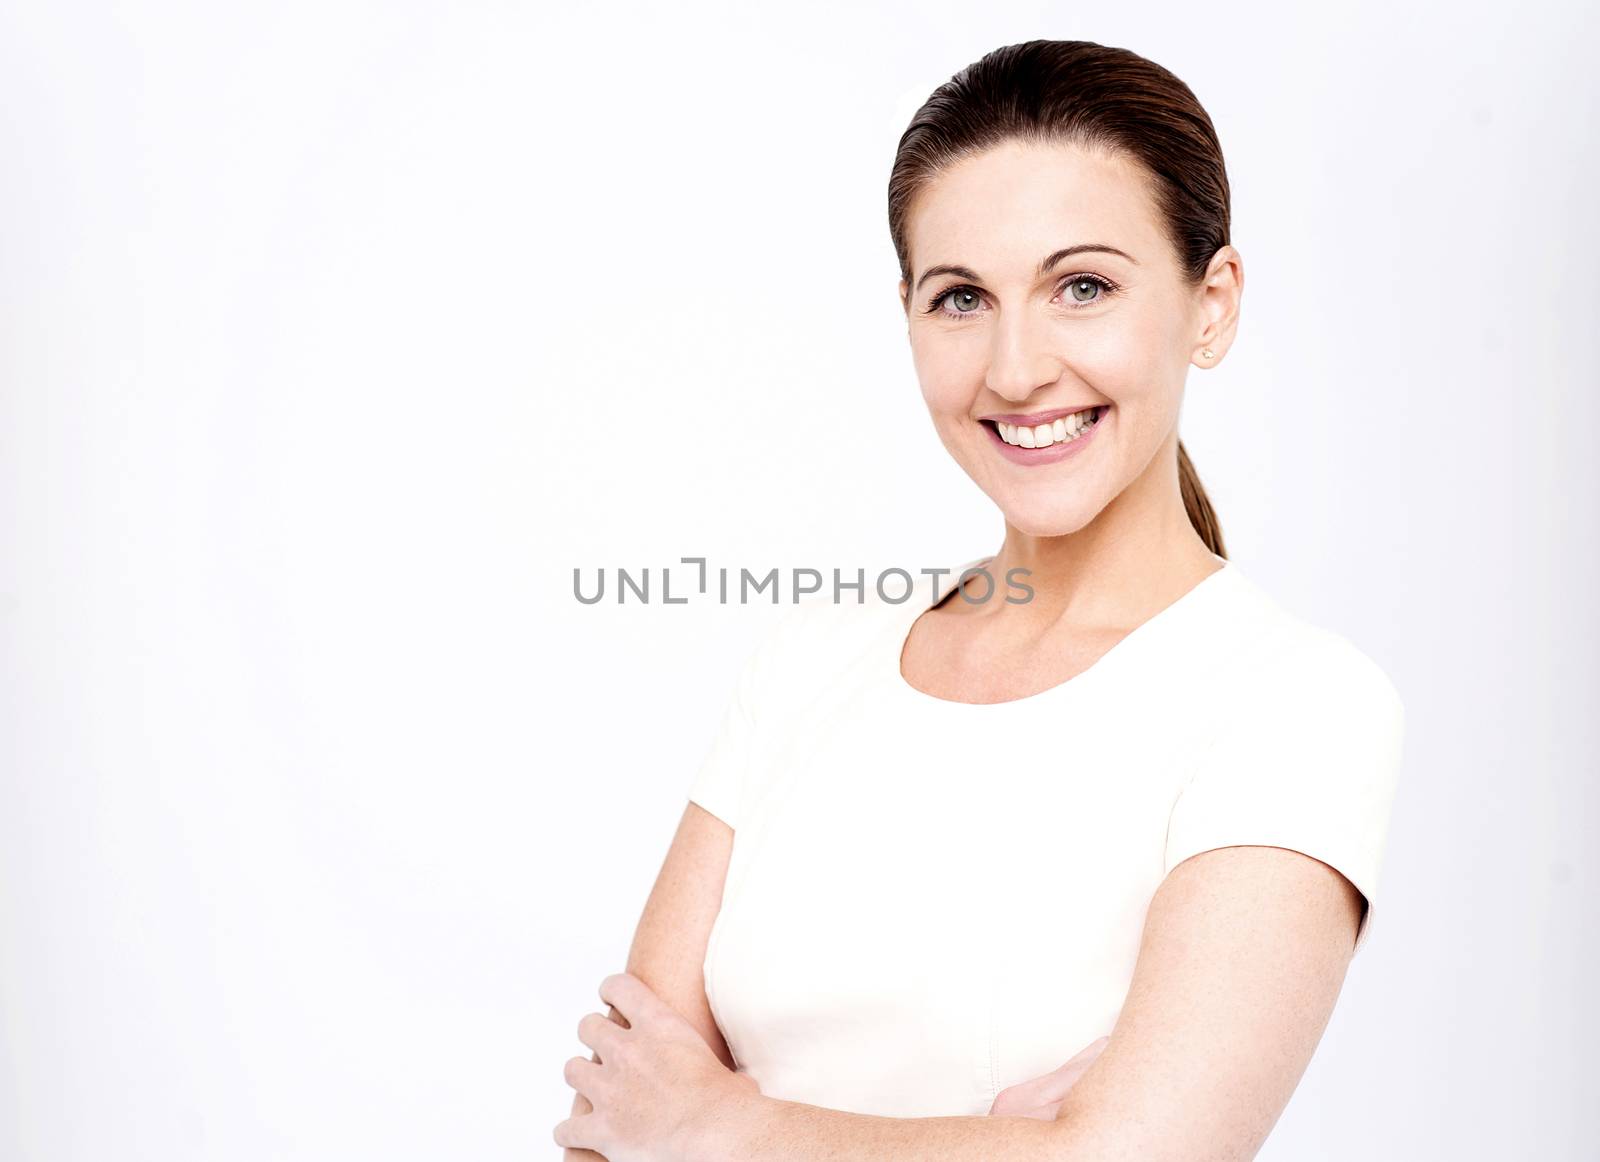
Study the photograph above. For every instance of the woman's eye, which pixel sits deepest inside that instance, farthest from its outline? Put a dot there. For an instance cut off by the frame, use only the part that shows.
(962, 300)
(1085, 290)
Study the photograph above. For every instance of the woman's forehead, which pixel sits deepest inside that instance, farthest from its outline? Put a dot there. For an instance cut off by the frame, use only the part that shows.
(1006, 208)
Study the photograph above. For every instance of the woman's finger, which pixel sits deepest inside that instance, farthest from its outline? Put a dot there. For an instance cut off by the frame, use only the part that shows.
(1045, 1113)
(599, 1033)
(1017, 1102)
(1045, 1093)
(634, 999)
(1054, 1086)
(581, 1074)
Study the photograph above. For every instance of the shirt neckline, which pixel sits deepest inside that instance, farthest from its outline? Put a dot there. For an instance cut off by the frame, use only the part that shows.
(1146, 630)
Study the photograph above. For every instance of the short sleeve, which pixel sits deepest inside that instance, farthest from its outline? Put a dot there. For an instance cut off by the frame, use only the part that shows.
(718, 784)
(723, 783)
(1306, 757)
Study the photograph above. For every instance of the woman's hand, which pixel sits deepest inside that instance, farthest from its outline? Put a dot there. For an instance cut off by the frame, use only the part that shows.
(1042, 1097)
(656, 1087)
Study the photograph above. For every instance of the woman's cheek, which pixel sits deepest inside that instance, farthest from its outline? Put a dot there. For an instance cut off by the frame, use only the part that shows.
(947, 389)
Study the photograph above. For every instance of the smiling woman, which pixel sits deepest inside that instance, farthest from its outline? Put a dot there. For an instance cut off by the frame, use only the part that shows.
(1072, 877)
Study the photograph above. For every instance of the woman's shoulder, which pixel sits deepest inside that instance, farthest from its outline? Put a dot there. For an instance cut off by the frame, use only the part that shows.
(803, 647)
(823, 629)
(811, 644)
(849, 608)
(1294, 657)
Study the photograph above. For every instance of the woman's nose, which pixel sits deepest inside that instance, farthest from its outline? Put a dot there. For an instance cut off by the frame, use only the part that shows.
(1021, 360)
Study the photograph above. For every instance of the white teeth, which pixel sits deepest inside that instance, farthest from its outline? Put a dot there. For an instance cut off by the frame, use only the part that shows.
(1058, 431)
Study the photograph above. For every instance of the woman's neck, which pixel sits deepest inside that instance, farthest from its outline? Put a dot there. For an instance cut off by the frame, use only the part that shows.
(1140, 553)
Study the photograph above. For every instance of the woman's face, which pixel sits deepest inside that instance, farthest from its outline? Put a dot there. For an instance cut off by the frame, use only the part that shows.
(1003, 346)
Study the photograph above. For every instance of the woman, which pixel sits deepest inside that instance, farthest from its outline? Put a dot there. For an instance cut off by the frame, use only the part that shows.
(941, 846)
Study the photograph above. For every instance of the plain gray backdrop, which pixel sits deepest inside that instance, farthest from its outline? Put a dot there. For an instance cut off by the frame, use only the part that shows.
(336, 335)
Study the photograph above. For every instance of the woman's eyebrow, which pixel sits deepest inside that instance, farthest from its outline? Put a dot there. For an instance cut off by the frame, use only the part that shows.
(1069, 251)
(1044, 266)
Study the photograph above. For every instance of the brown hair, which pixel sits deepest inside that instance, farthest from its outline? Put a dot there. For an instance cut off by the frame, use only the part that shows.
(1086, 94)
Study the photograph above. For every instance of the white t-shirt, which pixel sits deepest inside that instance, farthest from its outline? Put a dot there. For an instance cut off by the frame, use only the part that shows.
(929, 901)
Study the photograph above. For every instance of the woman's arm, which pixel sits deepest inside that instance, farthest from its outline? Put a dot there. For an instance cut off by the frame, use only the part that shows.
(669, 944)
(1243, 956)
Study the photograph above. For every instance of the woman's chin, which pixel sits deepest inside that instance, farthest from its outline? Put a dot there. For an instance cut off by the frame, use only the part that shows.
(1046, 520)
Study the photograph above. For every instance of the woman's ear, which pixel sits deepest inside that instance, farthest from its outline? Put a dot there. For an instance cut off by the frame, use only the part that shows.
(1220, 296)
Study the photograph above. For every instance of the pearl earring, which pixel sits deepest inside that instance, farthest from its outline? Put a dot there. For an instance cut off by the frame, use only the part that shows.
(1206, 354)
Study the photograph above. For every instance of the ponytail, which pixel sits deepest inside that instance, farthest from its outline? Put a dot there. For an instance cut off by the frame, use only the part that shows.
(1198, 505)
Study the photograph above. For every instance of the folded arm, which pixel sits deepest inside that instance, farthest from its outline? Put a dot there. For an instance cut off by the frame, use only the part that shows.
(669, 944)
(1243, 956)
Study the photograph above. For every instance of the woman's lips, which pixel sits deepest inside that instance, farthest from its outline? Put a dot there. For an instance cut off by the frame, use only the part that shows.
(1035, 457)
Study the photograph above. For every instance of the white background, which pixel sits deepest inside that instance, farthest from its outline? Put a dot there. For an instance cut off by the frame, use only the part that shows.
(336, 335)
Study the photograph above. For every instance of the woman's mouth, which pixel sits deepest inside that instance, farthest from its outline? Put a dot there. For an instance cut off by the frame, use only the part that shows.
(1050, 439)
